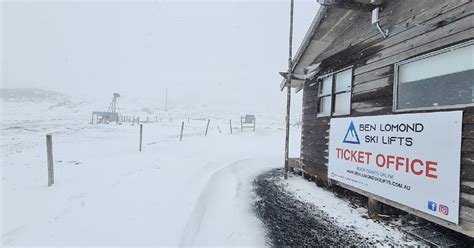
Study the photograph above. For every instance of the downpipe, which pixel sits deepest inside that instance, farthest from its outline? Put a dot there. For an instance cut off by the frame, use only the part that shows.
(375, 22)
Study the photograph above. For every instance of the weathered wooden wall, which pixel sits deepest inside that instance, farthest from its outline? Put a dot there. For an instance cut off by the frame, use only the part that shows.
(443, 23)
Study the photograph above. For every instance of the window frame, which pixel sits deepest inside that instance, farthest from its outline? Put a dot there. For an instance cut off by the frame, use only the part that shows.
(321, 96)
(420, 57)
(334, 93)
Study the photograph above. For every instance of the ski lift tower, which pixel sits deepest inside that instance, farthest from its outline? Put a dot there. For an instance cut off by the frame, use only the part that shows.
(113, 107)
(112, 114)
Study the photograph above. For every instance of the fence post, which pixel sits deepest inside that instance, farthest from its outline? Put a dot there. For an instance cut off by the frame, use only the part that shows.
(156, 119)
(182, 128)
(241, 125)
(141, 134)
(49, 151)
(207, 127)
(230, 124)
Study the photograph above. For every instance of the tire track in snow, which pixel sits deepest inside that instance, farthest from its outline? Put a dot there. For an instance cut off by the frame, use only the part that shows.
(194, 223)
(212, 221)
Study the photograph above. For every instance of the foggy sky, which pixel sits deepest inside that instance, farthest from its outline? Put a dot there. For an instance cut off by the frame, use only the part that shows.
(213, 53)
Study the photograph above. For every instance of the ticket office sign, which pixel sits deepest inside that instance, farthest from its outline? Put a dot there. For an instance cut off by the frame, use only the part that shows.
(412, 159)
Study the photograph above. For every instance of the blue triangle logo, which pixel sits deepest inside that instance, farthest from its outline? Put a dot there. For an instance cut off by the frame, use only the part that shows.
(351, 135)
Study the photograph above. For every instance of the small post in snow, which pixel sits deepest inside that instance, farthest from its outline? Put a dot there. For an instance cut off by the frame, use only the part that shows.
(141, 135)
(182, 128)
(230, 124)
(373, 208)
(49, 153)
(207, 127)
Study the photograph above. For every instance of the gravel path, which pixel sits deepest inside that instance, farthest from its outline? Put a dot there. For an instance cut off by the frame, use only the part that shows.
(291, 222)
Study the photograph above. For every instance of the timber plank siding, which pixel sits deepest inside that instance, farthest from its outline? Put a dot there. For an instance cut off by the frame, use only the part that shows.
(416, 28)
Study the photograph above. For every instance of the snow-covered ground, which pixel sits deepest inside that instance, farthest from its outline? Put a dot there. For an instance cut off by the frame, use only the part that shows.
(106, 193)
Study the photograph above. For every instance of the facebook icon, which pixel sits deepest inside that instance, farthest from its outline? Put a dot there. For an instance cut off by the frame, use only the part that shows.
(432, 206)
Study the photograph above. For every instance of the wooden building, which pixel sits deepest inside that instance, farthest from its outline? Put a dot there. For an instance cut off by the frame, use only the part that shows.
(346, 67)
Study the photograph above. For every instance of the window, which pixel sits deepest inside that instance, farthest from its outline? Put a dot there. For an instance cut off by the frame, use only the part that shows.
(444, 79)
(325, 98)
(335, 93)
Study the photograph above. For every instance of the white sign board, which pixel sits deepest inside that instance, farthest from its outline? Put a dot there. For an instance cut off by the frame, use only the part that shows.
(412, 159)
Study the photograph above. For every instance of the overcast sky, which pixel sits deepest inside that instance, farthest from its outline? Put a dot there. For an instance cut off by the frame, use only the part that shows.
(213, 53)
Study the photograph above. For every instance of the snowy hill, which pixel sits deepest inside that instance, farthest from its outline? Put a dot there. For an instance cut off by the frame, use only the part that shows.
(29, 95)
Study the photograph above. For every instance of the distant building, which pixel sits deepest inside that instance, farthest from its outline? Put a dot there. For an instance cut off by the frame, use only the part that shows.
(112, 113)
